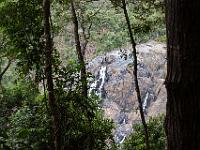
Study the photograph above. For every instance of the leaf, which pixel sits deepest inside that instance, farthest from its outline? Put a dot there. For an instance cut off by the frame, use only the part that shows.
(23, 133)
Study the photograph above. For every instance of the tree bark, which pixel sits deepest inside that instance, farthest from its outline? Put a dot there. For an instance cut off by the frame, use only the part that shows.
(4, 70)
(79, 51)
(54, 110)
(135, 75)
(183, 74)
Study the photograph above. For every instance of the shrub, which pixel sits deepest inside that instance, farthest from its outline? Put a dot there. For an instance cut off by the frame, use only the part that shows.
(29, 128)
(157, 136)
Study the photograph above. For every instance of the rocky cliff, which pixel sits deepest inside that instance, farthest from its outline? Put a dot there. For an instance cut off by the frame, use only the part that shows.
(114, 84)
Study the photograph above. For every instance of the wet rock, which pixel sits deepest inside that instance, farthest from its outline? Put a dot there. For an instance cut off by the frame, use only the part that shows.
(123, 118)
(115, 85)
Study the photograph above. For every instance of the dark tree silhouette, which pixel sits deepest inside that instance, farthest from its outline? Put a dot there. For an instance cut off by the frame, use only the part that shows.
(4, 70)
(54, 110)
(79, 51)
(183, 74)
(135, 75)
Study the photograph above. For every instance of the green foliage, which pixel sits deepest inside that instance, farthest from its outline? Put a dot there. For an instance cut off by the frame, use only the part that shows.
(109, 29)
(25, 121)
(18, 93)
(13, 98)
(83, 124)
(21, 21)
(161, 38)
(108, 26)
(29, 128)
(156, 136)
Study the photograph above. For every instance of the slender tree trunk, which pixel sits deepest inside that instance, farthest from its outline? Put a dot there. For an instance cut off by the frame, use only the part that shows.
(85, 33)
(54, 110)
(135, 75)
(4, 70)
(79, 51)
(183, 74)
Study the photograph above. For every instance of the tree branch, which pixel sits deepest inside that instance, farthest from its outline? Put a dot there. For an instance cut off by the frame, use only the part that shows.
(79, 51)
(135, 75)
(5, 69)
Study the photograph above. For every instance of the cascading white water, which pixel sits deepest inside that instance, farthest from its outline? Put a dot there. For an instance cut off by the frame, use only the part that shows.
(102, 78)
(101, 81)
(122, 140)
(144, 105)
(118, 67)
(93, 87)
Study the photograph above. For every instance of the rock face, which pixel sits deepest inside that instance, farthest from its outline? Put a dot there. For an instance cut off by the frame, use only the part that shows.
(114, 84)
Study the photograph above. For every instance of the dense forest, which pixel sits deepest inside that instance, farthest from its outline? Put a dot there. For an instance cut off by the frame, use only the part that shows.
(91, 75)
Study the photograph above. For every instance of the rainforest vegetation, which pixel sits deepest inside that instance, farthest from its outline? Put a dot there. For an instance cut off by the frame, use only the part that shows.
(45, 47)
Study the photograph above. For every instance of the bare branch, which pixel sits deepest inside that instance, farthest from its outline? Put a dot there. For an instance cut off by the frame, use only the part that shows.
(86, 31)
(135, 75)
(5, 69)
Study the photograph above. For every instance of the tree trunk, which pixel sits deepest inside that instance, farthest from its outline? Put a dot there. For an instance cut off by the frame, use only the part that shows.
(183, 74)
(4, 70)
(54, 110)
(79, 51)
(135, 75)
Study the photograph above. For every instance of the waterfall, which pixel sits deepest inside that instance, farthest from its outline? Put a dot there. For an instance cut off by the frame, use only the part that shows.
(93, 87)
(144, 105)
(98, 84)
(114, 85)
(102, 78)
(122, 140)
(145, 102)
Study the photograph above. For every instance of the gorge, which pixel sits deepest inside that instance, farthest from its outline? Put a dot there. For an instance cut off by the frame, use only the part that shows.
(113, 82)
